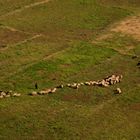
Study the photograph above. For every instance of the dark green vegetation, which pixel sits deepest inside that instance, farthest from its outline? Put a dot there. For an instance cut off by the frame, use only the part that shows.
(64, 53)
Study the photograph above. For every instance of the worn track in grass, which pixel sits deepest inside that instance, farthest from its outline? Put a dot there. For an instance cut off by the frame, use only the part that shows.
(24, 8)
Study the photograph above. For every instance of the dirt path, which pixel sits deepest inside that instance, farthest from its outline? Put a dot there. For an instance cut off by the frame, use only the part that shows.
(12, 29)
(20, 69)
(24, 8)
(35, 35)
(29, 39)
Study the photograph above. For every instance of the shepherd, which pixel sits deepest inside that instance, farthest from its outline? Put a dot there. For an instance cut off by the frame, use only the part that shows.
(36, 85)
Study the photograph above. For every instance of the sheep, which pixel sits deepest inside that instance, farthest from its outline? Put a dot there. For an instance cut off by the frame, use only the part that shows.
(3, 94)
(44, 92)
(78, 84)
(75, 86)
(117, 79)
(16, 95)
(121, 77)
(60, 86)
(94, 83)
(68, 85)
(103, 83)
(110, 80)
(34, 93)
(81, 83)
(10, 92)
(118, 91)
(87, 83)
(53, 90)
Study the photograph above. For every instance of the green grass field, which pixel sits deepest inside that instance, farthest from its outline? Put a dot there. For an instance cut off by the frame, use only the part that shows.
(52, 43)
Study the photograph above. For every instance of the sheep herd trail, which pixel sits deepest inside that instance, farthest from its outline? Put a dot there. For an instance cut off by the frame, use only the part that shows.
(106, 82)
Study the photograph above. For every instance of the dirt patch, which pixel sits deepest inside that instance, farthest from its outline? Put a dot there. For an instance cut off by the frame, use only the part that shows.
(29, 39)
(85, 98)
(102, 37)
(24, 8)
(130, 26)
(135, 106)
(8, 37)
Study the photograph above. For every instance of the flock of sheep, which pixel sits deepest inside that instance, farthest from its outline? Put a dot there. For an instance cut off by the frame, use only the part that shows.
(7, 94)
(110, 80)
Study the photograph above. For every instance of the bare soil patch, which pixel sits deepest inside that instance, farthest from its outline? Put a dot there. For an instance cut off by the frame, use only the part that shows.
(11, 37)
(135, 106)
(130, 26)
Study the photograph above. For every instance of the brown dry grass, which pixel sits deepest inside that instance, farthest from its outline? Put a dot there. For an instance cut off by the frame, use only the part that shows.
(130, 26)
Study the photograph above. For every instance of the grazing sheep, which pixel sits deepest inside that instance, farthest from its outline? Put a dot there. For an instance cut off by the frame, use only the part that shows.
(110, 80)
(91, 83)
(113, 79)
(118, 91)
(53, 90)
(75, 86)
(117, 79)
(94, 83)
(48, 91)
(78, 84)
(60, 86)
(103, 83)
(68, 85)
(16, 95)
(44, 92)
(10, 92)
(81, 83)
(34, 93)
(87, 83)
(1, 96)
(120, 78)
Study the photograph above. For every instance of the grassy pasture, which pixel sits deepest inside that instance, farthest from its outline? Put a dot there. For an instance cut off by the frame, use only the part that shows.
(66, 20)
(64, 54)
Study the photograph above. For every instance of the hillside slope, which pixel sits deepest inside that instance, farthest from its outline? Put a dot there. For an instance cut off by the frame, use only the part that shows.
(58, 42)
